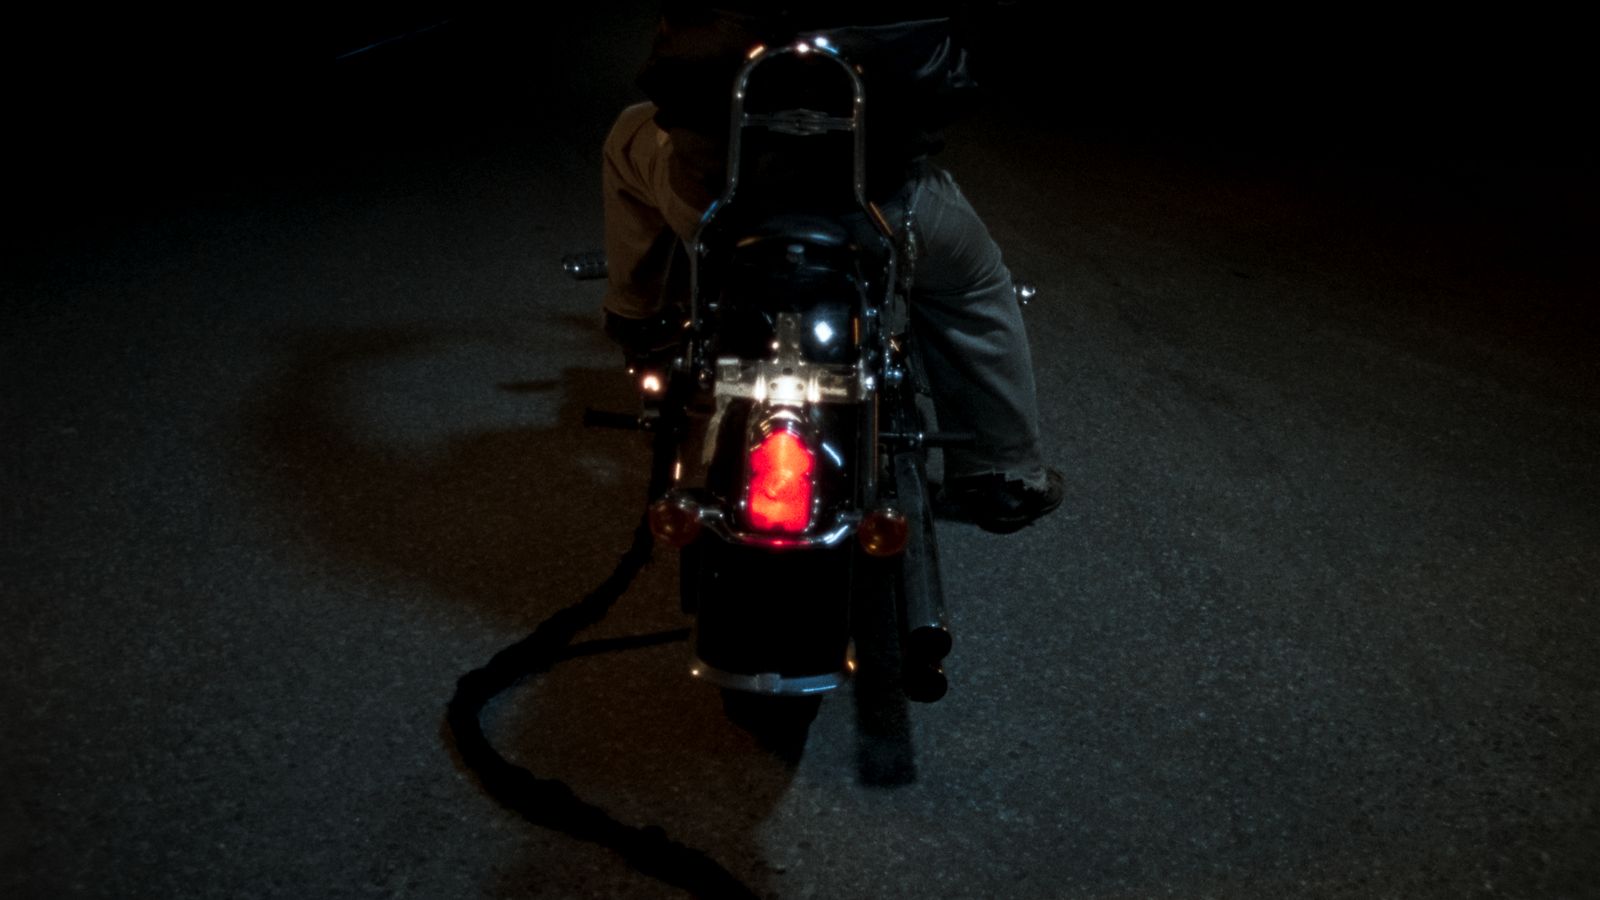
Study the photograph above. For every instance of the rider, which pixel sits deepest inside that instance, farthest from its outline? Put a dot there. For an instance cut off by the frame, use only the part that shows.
(665, 163)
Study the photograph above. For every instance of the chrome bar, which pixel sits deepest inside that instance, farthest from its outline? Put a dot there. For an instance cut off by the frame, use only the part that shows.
(715, 520)
(768, 682)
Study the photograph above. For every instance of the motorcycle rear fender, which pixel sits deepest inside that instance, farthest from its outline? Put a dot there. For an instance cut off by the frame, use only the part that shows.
(770, 623)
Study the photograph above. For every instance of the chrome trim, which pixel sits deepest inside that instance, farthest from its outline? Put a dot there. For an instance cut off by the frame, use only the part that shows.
(715, 520)
(800, 122)
(766, 381)
(788, 379)
(794, 122)
(805, 119)
(770, 683)
(868, 469)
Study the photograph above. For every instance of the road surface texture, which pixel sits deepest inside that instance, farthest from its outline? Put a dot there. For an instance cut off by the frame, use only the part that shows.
(291, 440)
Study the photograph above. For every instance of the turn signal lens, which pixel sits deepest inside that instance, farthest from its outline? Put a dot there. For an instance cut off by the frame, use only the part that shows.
(883, 531)
(780, 484)
(674, 521)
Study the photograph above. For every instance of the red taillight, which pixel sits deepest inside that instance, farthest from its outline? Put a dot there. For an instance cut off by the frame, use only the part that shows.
(780, 484)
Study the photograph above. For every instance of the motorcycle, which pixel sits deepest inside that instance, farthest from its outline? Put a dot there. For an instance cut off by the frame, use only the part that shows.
(790, 444)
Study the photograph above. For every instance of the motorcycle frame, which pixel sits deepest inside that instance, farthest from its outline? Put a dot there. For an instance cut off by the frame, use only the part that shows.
(877, 368)
(752, 377)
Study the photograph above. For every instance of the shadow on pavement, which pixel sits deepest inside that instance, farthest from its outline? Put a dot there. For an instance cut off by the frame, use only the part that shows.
(517, 523)
(490, 519)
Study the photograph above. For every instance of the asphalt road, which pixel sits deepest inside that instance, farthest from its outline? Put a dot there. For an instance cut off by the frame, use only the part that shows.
(291, 440)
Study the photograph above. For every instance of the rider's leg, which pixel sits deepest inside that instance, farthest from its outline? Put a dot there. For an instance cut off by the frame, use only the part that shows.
(975, 349)
(972, 337)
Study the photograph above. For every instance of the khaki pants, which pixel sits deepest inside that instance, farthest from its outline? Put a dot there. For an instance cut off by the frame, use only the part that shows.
(964, 311)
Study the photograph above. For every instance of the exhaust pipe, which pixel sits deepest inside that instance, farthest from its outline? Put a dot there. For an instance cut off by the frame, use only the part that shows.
(924, 683)
(925, 635)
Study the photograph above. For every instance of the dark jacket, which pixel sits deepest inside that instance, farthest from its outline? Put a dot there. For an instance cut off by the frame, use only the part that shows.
(914, 69)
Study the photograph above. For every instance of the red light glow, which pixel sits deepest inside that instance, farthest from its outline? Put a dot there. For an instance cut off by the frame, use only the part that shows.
(780, 484)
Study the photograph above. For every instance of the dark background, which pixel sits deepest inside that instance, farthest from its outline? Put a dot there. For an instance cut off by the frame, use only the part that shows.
(189, 100)
(117, 113)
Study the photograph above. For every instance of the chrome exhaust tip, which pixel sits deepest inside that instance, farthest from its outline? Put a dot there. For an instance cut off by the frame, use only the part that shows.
(924, 682)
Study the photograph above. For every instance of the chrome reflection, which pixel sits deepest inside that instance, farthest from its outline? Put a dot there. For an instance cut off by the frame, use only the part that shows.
(770, 683)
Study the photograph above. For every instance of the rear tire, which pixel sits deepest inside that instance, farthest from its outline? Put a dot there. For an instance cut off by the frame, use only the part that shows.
(884, 754)
(779, 724)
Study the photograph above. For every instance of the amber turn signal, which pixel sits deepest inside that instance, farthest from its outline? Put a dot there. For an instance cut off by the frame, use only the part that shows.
(883, 531)
(675, 520)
